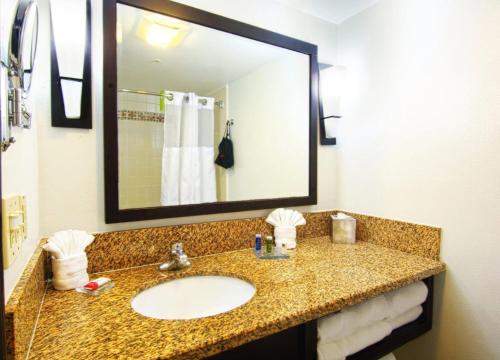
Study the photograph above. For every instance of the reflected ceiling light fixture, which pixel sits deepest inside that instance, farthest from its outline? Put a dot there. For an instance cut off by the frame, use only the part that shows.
(160, 35)
(71, 63)
(331, 80)
(162, 31)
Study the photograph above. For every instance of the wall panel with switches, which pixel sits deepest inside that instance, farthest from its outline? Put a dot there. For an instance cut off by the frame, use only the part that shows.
(14, 230)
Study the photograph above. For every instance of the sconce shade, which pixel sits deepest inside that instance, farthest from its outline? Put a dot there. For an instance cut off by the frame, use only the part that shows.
(71, 62)
(332, 79)
(72, 95)
(331, 85)
(68, 26)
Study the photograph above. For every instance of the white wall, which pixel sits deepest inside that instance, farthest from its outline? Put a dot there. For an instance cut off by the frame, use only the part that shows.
(420, 141)
(71, 161)
(20, 161)
(269, 106)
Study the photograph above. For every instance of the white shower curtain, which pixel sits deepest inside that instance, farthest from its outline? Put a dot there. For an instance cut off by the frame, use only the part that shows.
(188, 170)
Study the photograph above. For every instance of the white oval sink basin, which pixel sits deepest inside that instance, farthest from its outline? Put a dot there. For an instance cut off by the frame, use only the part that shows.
(193, 297)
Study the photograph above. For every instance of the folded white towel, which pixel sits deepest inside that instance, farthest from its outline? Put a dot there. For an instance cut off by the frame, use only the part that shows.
(351, 330)
(406, 298)
(70, 272)
(355, 342)
(70, 266)
(405, 317)
(71, 283)
(346, 322)
(69, 260)
(286, 236)
(67, 243)
(285, 217)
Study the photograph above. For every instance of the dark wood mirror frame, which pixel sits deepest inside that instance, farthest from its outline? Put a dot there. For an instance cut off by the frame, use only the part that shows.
(113, 213)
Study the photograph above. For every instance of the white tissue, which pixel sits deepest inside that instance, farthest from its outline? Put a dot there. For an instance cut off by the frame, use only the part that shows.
(341, 216)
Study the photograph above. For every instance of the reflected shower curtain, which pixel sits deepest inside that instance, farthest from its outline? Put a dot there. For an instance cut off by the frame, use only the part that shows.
(188, 170)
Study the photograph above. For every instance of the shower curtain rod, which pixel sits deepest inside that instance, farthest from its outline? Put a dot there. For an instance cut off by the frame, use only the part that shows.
(169, 96)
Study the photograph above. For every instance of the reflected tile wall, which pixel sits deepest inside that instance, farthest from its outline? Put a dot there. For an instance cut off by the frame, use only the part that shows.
(140, 143)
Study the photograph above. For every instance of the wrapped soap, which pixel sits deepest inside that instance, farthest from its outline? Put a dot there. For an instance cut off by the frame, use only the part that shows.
(343, 229)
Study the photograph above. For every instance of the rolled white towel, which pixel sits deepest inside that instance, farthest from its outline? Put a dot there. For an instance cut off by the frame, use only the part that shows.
(355, 342)
(70, 266)
(286, 235)
(405, 317)
(285, 217)
(71, 282)
(70, 272)
(406, 298)
(346, 322)
(67, 243)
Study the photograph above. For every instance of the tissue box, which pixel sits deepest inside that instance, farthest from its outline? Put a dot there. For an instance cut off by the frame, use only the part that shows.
(343, 229)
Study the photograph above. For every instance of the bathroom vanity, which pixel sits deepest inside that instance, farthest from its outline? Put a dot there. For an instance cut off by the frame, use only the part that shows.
(261, 88)
(320, 278)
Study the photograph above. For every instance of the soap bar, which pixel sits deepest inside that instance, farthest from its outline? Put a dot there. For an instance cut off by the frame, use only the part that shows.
(87, 288)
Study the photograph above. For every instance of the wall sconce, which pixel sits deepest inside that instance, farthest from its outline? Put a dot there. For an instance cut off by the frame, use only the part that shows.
(331, 85)
(71, 86)
(16, 71)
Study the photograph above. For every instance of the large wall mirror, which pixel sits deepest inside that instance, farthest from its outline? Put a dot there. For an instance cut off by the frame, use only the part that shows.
(204, 114)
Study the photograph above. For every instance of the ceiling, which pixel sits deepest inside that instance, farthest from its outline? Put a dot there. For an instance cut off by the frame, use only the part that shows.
(334, 11)
(204, 61)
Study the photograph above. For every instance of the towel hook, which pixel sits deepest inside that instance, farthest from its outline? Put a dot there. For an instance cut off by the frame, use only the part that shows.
(229, 123)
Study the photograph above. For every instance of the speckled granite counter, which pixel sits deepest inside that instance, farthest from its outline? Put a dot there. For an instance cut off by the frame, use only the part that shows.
(318, 279)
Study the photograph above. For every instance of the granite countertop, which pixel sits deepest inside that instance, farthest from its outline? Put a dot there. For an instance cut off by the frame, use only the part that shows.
(318, 279)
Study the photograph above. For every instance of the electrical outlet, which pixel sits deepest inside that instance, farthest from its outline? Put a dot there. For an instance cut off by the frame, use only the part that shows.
(13, 227)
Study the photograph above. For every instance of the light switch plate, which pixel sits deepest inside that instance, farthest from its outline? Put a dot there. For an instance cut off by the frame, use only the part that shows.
(13, 227)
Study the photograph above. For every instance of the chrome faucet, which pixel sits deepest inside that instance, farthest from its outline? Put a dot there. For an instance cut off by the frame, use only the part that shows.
(179, 259)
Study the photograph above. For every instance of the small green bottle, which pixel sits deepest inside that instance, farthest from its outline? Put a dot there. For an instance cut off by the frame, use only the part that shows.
(269, 245)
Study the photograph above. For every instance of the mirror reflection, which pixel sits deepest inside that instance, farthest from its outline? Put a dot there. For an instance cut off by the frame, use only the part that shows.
(23, 41)
(206, 116)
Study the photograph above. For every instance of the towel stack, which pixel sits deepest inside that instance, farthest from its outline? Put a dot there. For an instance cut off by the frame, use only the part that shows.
(284, 222)
(69, 260)
(359, 326)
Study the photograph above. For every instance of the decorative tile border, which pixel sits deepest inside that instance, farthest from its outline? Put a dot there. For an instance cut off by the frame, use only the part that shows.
(140, 116)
